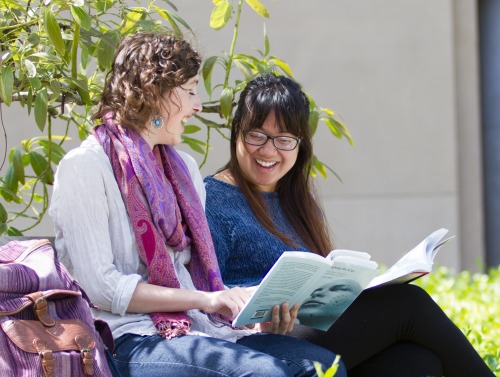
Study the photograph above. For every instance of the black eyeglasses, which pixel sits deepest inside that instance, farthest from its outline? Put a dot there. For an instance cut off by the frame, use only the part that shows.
(284, 143)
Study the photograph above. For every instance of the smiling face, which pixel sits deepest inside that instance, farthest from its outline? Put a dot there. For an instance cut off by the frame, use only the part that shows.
(265, 165)
(330, 300)
(177, 106)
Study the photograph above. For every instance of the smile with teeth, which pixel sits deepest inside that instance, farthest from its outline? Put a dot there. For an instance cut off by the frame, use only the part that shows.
(266, 164)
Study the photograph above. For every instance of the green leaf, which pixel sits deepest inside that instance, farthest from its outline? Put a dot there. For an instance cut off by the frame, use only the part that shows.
(83, 90)
(245, 68)
(191, 129)
(3, 228)
(284, 66)
(54, 32)
(10, 183)
(13, 232)
(103, 5)
(179, 19)
(206, 72)
(338, 129)
(81, 17)
(56, 89)
(166, 15)
(258, 7)
(7, 83)
(226, 101)
(313, 121)
(41, 107)
(38, 162)
(319, 167)
(3, 214)
(106, 49)
(194, 144)
(221, 14)
(17, 163)
(266, 42)
(35, 83)
(131, 19)
(56, 151)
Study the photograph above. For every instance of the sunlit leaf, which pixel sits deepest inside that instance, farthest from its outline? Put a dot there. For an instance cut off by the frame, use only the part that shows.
(7, 84)
(221, 14)
(131, 19)
(167, 16)
(258, 7)
(41, 108)
(338, 129)
(54, 32)
(191, 129)
(283, 65)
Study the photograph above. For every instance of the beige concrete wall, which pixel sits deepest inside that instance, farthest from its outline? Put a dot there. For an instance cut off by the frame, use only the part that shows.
(403, 77)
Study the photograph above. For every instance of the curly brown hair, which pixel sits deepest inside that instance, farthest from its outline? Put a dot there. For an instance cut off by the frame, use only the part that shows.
(146, 66)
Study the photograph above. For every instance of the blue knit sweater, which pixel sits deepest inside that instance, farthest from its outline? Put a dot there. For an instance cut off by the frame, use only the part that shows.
(245, 249)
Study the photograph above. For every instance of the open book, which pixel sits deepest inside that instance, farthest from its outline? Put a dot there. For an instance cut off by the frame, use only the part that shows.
(326, 286)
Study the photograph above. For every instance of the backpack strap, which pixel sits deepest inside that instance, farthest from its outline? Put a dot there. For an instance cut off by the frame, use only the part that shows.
(87, 358)
(46, 357)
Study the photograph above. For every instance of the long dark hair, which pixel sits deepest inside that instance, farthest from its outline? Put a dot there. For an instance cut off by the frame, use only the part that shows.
(285, 98)
(145, 67)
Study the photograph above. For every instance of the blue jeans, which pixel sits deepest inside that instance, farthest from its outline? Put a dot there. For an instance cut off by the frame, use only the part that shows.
(187, 356)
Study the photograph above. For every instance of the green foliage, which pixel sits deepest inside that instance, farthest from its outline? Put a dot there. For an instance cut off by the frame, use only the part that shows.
(54, 55)
(472, 301)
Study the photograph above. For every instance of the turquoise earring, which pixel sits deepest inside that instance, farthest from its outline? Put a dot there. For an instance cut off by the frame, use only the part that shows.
(157, 122)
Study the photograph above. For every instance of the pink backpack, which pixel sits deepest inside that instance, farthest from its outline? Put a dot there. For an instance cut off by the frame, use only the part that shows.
(47, 325)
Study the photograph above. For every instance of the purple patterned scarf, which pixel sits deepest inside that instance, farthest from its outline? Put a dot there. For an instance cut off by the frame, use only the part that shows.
(165, 211)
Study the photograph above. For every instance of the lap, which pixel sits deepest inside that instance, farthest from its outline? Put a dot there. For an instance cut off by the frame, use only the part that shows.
(152, 356)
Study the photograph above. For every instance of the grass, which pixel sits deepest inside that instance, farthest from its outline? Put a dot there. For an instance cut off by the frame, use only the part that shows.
(472, 301)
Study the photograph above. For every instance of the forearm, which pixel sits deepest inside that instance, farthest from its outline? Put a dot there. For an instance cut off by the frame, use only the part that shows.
(149, 298)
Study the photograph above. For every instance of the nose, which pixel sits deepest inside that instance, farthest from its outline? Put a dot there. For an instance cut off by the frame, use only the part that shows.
(197, 107)
(268, 147)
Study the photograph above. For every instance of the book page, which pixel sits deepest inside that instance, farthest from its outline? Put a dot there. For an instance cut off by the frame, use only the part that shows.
(417, 262)
(293, 273)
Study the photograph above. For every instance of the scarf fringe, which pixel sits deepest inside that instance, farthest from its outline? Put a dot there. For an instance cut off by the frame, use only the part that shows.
(169, 329)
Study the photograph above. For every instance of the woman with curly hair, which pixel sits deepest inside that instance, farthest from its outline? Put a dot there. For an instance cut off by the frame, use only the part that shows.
(130, 226)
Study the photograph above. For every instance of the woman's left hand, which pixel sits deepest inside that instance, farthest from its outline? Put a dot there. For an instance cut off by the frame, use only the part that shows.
(282, 320)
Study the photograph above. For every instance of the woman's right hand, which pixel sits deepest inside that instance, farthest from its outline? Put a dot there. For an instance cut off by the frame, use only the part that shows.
(228, 302)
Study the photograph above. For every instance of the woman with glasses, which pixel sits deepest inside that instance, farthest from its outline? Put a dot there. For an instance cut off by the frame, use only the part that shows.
(263, 203)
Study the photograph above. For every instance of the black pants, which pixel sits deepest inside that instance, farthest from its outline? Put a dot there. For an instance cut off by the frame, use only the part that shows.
(398, 331)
